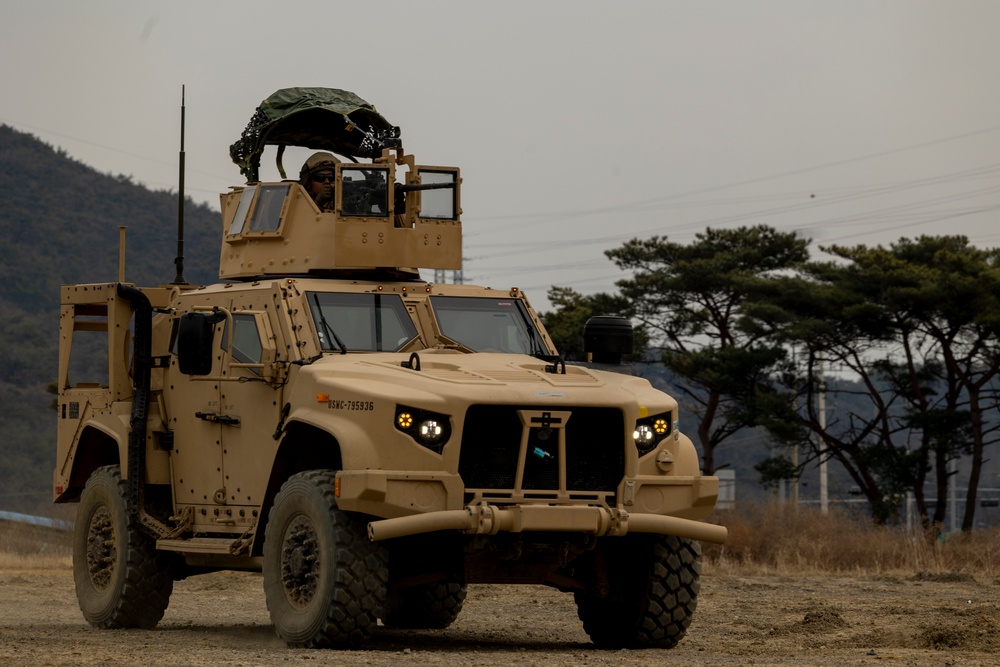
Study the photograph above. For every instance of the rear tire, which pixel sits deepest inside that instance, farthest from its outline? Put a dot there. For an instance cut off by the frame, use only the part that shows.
(122, 581)
(432, 606)
(324, 580)
(653, 583)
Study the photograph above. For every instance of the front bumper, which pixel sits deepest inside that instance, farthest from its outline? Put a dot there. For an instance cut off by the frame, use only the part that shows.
(491, 519)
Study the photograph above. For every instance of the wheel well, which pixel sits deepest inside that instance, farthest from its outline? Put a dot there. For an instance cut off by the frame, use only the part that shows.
(95, 449)
(303, 447)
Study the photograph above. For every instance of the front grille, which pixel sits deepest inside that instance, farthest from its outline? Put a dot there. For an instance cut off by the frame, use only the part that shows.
(491, 442)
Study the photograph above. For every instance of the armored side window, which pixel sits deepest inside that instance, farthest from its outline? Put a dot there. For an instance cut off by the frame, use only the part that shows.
(267, 210)
(240, 221)
(364, 192)
(438, 204)
(247, 348)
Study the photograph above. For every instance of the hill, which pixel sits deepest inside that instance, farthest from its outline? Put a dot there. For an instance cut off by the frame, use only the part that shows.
(59, 222)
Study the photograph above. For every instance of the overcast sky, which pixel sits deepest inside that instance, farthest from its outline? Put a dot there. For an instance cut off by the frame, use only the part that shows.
(577, 125)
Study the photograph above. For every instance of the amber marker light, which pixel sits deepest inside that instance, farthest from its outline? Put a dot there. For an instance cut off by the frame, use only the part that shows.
(404, 420)
(322, 398)
(661, 426)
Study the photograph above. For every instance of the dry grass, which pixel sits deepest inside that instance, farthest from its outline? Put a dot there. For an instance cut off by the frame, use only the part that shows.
(777, 538)
(764, 539)
(9, 561)
(24, 547)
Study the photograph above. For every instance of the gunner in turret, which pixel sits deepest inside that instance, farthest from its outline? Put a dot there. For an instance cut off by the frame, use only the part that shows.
(318, 176)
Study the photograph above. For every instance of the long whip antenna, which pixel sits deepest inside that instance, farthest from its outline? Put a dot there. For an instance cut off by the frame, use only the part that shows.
(179, 260)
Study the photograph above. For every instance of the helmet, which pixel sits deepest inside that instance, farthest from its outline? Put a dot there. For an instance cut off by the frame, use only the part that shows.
(316, 162)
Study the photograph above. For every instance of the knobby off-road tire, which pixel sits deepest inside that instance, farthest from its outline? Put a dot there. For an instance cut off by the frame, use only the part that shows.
(654, 582)
(432, 606)
(122, 581)
(324, 580)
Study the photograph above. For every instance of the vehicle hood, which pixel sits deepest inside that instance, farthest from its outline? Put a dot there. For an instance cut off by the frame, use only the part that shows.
(481, 377)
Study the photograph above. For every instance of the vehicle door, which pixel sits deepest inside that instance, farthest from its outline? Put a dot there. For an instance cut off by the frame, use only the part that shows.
(252, 397)
(193, 408)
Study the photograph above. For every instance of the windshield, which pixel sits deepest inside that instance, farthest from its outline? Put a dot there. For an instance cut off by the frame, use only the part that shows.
(361, 322)
(487, 325)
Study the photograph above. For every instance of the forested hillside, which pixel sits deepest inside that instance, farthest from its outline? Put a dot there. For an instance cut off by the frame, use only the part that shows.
(59, 223)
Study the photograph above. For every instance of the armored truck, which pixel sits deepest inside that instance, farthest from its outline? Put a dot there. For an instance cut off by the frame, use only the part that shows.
(370, 441)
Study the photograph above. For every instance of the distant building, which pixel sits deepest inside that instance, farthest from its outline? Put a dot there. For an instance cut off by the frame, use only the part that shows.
(727, 489)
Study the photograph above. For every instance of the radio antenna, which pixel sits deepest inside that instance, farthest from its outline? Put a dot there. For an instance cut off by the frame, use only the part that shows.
(179, 260)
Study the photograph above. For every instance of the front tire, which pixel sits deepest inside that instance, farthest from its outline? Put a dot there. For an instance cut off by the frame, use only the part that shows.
(653, 583)
(324, 580)
(122, 581)
(430, 606)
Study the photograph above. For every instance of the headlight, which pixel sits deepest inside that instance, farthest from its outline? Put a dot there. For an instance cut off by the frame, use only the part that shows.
(649, 431)
(429, 429)
(644, 436)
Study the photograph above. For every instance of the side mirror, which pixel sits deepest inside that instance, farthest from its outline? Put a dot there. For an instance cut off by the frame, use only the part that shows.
(195, 337)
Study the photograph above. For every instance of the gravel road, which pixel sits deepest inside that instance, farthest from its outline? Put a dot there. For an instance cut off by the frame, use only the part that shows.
(221, 619)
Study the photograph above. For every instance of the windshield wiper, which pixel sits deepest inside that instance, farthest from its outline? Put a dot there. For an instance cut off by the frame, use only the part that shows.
(555, 361)
(327, 329)
(535, 348)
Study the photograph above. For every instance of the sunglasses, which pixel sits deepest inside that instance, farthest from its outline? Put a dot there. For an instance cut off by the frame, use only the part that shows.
(324, 178)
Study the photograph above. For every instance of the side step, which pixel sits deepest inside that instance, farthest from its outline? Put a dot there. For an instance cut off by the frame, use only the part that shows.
(205, 545)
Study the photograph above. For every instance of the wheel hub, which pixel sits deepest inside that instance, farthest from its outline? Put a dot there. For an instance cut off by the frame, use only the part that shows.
(300, 562)
(102, 550)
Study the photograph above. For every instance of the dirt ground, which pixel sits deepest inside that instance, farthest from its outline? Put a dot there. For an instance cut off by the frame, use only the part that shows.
(221, 619)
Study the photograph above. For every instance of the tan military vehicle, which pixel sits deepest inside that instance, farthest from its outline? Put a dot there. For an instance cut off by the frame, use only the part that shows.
(370, 441)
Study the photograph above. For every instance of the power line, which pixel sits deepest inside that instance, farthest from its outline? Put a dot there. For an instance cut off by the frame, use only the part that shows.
(629, 206)
(849, 196)
(846, 195)
(911, 224)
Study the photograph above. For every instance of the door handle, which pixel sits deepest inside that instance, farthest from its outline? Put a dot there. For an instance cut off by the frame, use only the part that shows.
(218, 419)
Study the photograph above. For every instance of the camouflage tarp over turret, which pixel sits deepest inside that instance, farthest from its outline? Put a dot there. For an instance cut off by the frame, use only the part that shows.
(317, 118)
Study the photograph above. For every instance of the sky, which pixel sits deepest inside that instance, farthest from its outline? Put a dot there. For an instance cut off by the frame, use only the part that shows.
(577, 125)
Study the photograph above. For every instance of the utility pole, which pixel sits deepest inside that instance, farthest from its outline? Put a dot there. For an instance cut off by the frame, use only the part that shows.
(794, 482)
(953, 493)
(824, 502)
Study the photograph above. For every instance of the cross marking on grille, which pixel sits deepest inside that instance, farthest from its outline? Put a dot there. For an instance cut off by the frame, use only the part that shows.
(546, 420)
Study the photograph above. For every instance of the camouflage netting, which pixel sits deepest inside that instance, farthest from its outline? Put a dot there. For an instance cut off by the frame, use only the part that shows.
(318, 118)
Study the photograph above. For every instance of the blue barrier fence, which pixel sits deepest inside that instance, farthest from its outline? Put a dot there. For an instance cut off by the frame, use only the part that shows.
(17, 517)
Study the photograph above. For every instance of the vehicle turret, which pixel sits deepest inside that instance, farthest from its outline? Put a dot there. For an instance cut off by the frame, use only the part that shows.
(390, 215)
